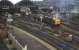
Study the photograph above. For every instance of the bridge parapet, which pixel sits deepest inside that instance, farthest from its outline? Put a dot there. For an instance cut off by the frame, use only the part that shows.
(16, 43)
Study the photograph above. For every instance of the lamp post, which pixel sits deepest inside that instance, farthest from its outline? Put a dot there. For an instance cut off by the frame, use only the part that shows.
(41, 19)
(9, 22)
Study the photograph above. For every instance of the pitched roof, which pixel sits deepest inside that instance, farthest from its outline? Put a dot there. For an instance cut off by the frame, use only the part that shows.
(25, 3)
(5, 3)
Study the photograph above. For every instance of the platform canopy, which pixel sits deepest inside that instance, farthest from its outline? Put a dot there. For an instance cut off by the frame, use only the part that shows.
(25, 3)
(6, 5)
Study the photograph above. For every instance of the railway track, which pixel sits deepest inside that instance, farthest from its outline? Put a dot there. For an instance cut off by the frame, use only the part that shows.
(73, 25)
(51, 38)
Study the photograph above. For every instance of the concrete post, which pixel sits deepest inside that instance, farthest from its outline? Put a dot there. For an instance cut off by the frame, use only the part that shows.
(25, 48)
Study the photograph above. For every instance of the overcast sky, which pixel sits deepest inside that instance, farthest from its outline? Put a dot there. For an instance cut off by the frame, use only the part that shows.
(15, 1)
